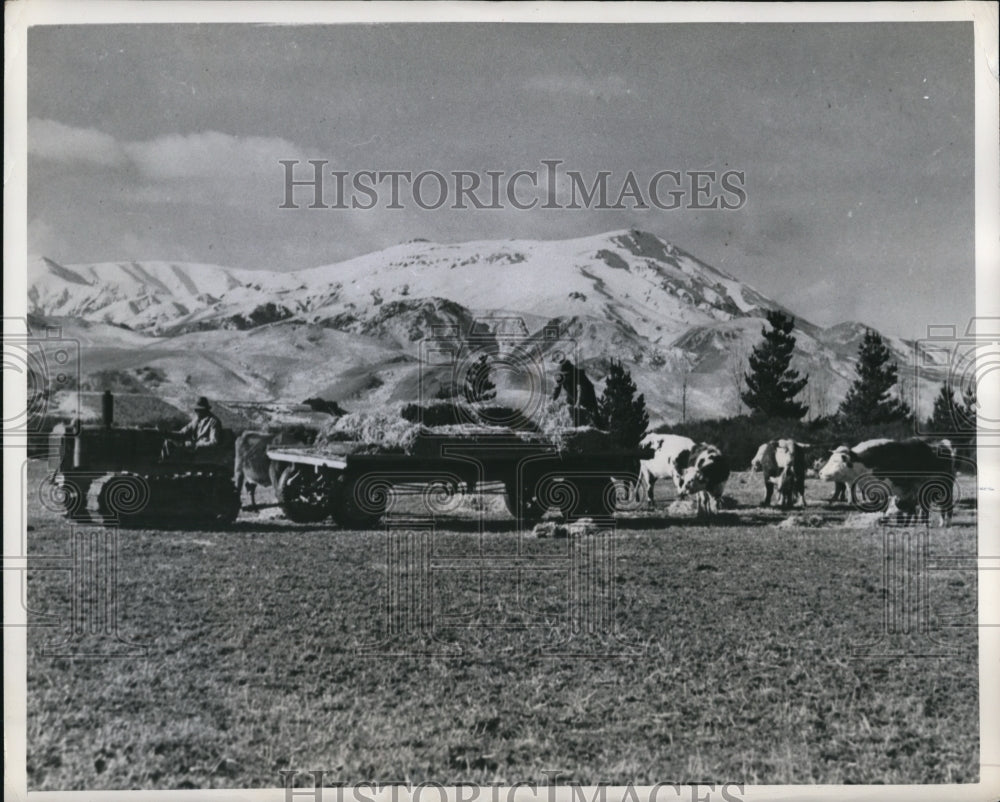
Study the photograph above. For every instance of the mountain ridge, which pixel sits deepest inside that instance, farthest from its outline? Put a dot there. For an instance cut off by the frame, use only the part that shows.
(675, 320)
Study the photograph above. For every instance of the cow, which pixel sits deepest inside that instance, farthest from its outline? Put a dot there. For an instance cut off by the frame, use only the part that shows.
(580, 393)
(772, 459)
(670, 458)
(840, 486)
(705, 477)
(792, 481)
(915, 499)
(913, 469)
(252, 467)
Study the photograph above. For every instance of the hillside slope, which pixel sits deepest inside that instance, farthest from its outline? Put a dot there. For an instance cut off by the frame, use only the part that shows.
(359, 331)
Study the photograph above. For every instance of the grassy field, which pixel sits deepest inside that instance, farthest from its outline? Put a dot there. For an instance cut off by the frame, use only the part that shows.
(270, 647)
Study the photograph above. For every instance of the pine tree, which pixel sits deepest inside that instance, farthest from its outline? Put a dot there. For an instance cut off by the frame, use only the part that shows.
(969, 423)
(969, 406)
(944, 417)
(868, 399)
(479, 385)
(621, 411)
(771, 384)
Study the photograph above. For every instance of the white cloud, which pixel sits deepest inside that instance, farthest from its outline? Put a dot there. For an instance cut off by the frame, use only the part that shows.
(50, 139)
(42, 237)
(211, 155)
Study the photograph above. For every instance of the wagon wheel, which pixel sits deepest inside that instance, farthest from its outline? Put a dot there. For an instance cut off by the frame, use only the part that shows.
(597, 496)
(301, 497)
(359, 503)
(71, 495)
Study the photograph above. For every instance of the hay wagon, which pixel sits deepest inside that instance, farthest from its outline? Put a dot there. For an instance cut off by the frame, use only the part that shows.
(580, 472)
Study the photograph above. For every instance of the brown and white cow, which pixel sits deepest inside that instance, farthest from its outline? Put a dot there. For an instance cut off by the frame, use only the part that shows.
(705, 477)
(914, 470)
(670, 458)
(782, 462)
(840, 485)
(914, 499)
(252, 467)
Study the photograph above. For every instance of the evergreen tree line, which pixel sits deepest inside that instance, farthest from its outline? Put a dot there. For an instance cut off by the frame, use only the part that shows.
(873, 406)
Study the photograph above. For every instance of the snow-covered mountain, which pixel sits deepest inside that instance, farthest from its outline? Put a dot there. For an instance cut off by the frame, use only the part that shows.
(353, 330)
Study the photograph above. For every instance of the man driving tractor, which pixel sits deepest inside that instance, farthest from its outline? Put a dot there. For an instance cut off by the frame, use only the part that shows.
(204, 431)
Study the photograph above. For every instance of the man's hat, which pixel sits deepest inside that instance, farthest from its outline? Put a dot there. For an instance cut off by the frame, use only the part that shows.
(203, 404)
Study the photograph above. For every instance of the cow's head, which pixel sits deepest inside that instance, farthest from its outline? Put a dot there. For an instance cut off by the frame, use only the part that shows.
(699, 474)
(757, 463)
(842, 466)
(787, 481)
(788, 446)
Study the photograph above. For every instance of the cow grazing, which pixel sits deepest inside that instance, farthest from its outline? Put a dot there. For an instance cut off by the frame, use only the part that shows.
(580, 393)
(705, 477)
(792, 480)
(917, 473)
(252, 467)
(782, 462)
(670, 458)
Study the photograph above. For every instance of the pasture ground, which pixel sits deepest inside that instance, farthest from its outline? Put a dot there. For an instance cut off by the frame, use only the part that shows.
(269, 648)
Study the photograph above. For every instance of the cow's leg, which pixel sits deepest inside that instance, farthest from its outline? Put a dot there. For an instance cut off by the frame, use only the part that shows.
(650, 482)
(252, 490)
(704, 503)
(768, 492)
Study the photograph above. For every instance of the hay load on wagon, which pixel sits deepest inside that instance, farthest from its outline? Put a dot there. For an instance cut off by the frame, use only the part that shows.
(540, 462)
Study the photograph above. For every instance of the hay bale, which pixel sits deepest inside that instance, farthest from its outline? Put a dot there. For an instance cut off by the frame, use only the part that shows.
(557, 529)
(382, 429)
(583, 527)
(800, 521)
(549, 529)
(683, 508)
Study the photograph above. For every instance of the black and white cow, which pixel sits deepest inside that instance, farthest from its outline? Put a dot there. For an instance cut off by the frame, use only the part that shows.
(671, 453)
(783, 463)
(919, 474)
(705, 477)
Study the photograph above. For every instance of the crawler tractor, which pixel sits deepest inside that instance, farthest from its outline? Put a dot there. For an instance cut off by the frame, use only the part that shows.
(117, 475)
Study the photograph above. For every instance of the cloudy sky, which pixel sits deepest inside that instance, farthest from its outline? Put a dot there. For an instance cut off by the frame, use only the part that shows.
(163, 142)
